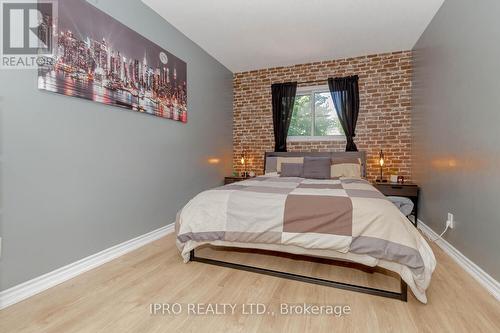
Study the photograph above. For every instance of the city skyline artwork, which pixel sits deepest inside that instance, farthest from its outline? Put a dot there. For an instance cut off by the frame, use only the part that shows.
(100, 59)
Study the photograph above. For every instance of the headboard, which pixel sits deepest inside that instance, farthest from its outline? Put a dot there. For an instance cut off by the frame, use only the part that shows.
(270, 157)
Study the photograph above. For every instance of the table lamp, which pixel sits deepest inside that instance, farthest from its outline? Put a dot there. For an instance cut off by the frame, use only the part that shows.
(381, 163)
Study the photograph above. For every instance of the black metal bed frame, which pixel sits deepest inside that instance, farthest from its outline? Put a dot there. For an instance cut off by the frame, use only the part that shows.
(403, 295)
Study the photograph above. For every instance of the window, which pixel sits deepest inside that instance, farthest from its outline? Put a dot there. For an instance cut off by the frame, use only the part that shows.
(314, 116)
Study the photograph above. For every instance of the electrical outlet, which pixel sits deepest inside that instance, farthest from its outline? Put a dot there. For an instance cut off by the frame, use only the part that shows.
(451, 221)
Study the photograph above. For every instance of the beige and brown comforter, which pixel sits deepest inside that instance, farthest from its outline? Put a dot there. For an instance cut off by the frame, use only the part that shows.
(337, 218)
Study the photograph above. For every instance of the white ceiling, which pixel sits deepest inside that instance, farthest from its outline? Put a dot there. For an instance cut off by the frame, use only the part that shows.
(253, 34)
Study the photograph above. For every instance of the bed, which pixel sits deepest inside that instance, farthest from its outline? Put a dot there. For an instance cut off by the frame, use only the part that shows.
(339, 218)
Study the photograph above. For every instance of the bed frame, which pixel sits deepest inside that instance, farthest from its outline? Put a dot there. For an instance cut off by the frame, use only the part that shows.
(402, 295)
(336, 154)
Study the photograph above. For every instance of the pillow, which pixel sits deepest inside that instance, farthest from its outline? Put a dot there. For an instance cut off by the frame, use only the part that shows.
(271, 164)
(317, 167)
(292, 169)
(281, 160)
(348, 170)
(346, 166)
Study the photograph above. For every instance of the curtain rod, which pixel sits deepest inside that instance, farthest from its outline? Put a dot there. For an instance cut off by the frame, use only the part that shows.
(320, 81)
(315, 81)
(304, 82)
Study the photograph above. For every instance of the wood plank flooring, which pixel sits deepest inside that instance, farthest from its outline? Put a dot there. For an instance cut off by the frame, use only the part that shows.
(116, 297)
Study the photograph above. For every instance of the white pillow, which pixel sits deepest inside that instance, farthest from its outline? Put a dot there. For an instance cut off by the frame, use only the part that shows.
(348, 170)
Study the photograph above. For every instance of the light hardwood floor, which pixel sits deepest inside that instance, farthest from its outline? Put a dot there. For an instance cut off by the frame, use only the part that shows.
(116, 297)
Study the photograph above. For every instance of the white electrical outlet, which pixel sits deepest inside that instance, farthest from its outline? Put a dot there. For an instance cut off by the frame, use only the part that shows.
(451, 221)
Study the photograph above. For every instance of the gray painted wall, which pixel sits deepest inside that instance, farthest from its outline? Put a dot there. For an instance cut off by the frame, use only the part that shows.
(456, 127)
(79, 177)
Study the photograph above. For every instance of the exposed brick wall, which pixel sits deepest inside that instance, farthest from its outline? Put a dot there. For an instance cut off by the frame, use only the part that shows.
(384, 116)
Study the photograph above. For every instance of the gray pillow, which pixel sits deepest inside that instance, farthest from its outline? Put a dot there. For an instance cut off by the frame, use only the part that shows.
(271, 164)
(291, 169)
(317, 167)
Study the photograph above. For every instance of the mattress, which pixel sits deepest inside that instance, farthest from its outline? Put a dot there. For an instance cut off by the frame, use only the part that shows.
(341, 218)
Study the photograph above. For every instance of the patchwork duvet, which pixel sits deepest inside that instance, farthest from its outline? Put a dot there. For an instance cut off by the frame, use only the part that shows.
(334, 218)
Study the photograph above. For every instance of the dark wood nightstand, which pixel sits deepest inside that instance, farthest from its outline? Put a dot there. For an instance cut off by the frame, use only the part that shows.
(234, 179)
(407, 190)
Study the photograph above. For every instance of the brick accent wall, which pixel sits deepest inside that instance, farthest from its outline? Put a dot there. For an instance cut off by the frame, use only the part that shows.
(384, 116)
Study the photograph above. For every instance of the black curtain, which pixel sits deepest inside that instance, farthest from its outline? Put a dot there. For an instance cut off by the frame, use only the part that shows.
(345, 95)
(283, 100)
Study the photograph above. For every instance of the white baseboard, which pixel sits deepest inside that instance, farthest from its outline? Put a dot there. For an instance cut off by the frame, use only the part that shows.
(488, 282)
(32, 287)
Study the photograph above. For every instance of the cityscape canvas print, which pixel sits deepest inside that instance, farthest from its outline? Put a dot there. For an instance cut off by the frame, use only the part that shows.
(100, 59)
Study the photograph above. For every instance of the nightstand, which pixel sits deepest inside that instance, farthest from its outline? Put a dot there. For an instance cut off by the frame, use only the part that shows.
(407, 190)
(234, 179)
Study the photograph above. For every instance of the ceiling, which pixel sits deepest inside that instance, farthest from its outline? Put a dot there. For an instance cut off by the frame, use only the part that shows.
(252, 34)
